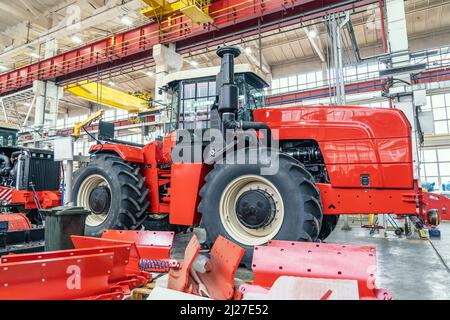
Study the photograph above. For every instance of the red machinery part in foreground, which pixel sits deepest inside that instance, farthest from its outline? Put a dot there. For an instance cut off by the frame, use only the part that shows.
(218, 279)
(122, 277)
(179, 278)
(98, 268)
(221, 268)
(150, 244)
(74, 277)
(16, 221)
(318, 260)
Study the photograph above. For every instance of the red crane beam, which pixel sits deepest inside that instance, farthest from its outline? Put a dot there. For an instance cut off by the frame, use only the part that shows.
(294, 97)
(233, 19)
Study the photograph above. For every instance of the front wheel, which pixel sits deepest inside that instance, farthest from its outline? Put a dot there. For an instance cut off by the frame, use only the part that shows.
(115, 193)
(250, 209)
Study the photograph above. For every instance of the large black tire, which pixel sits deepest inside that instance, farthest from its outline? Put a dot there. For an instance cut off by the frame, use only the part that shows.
(329, 222)
(300, 198)
(153, 223)
(128, 193)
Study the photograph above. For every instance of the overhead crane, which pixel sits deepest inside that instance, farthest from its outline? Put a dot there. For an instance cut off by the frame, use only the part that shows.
(231, 19)
(106, 95)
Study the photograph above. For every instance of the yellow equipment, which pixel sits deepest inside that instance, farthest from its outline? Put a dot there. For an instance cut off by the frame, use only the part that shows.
(108, 96)
(93, 117)
(196, 10)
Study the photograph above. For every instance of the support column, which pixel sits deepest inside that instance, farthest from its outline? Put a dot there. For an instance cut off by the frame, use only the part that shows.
(401, 92)
(50, 48)
(46, 93)
(166, 61)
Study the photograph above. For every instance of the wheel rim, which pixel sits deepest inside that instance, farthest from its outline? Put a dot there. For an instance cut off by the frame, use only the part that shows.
(229, 217)
(84, 199)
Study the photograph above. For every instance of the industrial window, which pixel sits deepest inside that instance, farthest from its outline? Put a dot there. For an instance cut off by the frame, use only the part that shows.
(435, 166)
(440, 105)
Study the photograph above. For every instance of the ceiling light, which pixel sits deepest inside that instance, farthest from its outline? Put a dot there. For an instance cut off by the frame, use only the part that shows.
(27, 104)
(3, 68)
(248, 50)
(312, 33)
(126, 20)
(76, 39)
(111, 84)
(150, 74)
(35, 55)
(193, 63)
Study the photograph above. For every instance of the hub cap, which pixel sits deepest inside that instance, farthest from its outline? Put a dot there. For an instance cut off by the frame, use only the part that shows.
(255, 209)
(95, 195)
(100, 200)
(251, 210)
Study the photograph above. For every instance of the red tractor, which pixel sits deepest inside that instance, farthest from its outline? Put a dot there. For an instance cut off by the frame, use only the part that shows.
(330, 161)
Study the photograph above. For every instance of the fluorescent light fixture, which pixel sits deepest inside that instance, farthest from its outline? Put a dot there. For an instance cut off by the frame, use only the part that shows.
(248, 50)
(76, 39)
(312, 33)
(3, 68)
(35, 55)
(193, 63)
(27, 104)
(111, 84)
(126, 20)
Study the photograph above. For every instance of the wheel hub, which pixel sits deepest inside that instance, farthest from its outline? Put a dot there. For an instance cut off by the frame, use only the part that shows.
(100, 200)
(255, 209)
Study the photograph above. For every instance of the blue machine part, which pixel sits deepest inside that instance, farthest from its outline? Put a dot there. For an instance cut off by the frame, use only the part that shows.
(429, 186)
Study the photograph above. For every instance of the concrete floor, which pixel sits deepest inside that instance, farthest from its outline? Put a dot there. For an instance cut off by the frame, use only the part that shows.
(410, 268)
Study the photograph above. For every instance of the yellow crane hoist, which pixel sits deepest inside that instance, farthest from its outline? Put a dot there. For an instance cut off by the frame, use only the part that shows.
(196, 10)
(79, 125)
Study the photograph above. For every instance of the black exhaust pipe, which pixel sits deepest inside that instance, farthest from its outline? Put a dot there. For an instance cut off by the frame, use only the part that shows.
(228, 95)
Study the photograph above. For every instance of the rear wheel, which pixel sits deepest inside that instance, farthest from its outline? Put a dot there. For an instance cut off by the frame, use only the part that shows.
(329, 223)
(115, 193)
(250, 209)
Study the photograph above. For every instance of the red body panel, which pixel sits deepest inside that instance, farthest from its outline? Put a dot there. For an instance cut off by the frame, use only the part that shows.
(353, 141)
(187, 179)
(437, 201)
(154, 177)
(47, 199)
(128, 153)
(367, 201)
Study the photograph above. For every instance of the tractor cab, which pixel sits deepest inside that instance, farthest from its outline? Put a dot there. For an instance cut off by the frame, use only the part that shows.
(194, 91)
(8, 135)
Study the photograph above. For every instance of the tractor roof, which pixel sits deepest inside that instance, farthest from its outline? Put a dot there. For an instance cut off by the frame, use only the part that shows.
(200, 73)
(9, 126)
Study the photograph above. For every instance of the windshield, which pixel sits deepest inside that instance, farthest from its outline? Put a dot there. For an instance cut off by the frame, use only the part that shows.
(192, 101)
(8, 138)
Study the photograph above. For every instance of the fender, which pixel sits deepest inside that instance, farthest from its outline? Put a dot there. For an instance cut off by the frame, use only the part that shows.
(127, 153)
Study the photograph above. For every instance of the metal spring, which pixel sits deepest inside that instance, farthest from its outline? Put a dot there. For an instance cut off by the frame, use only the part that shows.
(155, 265)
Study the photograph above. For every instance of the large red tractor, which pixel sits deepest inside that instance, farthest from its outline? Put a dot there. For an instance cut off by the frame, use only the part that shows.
(330, 161)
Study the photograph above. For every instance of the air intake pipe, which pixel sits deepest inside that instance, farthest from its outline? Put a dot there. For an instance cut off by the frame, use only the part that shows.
(228, 95)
